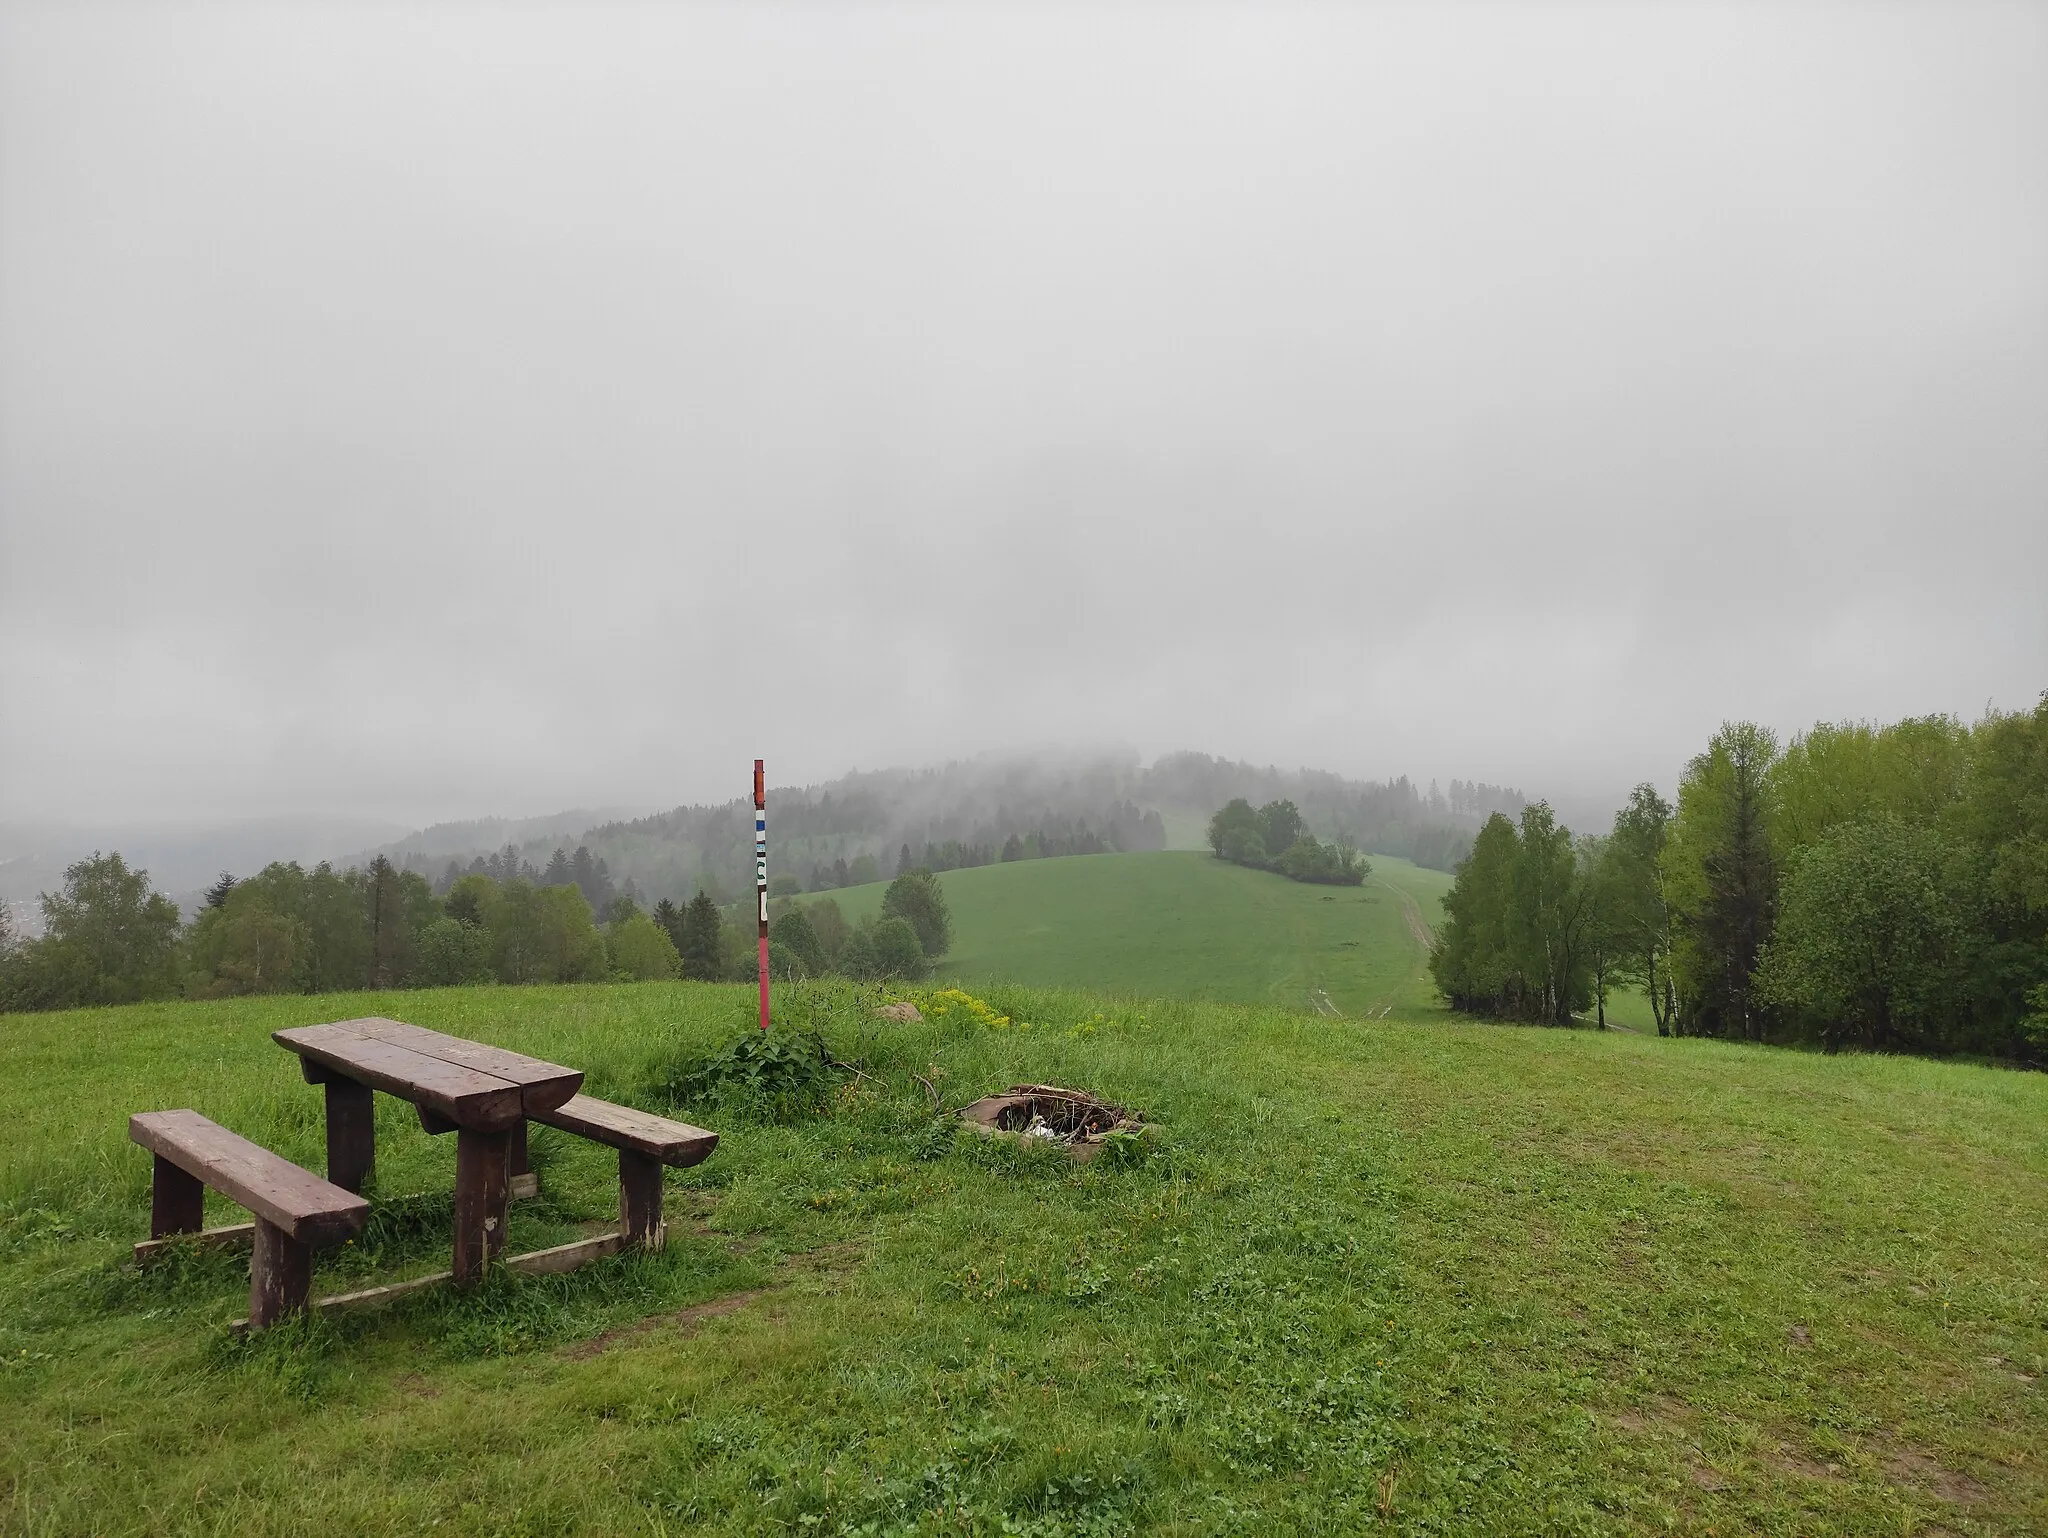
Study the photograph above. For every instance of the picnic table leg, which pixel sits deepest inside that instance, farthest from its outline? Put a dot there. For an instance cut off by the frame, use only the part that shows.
(280, 1275)
(351, 1132)
(480, 1160)
(177, 1201)
(520, 1180)
(640, 1199)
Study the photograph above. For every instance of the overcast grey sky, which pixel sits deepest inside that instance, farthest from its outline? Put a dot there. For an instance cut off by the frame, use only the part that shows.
(428, 411)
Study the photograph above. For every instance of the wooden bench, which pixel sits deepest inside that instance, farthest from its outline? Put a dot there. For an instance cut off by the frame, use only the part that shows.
(645, 1143)
(296, 1211)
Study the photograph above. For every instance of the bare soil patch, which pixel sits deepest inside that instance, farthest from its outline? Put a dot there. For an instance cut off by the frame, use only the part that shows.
(827, 1260)
(1909, 1466)
(684, 1320)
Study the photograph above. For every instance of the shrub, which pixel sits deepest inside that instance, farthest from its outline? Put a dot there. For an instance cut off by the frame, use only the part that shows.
(794, 934)
(898, 952)
(916, 897)
(641, 950)
(452, 953)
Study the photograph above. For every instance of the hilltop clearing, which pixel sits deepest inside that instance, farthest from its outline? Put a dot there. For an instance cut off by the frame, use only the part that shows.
(1414, 1276)
(1177, 924)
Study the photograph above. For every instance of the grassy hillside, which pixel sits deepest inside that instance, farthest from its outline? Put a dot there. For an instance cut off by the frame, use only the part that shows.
(1189, 926)
(1415, 1276)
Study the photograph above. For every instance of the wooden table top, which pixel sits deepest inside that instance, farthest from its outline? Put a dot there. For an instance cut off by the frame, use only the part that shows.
(464, 1082)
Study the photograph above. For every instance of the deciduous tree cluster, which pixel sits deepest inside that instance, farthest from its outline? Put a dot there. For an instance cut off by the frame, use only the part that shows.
(109, 939)
(1276, 838)
(1878, 886)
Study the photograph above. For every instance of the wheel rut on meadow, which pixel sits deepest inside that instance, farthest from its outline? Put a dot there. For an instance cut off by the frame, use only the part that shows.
(1418, 926)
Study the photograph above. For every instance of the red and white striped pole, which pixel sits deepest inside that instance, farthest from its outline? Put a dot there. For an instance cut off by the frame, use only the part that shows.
(761, 877)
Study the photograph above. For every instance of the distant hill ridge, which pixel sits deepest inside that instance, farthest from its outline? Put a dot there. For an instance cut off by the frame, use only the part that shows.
(965, 813)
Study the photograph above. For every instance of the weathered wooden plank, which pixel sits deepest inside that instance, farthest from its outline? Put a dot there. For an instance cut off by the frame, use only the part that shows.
(177, 1200)
(390, 1292)
(229, 1236)
(621, 1126)
(433, 1123)
(280, 1275)
(565, 1257)
(351, 1132)
(543, 1085)
(465, 1096)
(550, 1262)
(296, 1200)
(640, 1199)
(479, 1201)
(334, 1030)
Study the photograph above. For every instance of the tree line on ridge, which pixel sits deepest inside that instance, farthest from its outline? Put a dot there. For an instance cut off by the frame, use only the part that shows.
(1884, 887)
(109, 938)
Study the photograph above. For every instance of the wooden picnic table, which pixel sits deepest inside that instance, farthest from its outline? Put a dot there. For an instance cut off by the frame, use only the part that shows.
(482, 1094)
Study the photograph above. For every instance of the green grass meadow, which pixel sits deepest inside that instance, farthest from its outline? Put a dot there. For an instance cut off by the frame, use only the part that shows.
(1184, 925)
(1408, 1276)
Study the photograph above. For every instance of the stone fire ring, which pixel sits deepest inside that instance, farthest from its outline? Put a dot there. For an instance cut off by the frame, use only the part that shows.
(1073, 1119)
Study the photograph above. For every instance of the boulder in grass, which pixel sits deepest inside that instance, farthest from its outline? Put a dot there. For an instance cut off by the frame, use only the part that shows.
(903, 1011)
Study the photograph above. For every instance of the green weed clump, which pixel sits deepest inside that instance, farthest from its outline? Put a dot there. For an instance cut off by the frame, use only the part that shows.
(774, 1076)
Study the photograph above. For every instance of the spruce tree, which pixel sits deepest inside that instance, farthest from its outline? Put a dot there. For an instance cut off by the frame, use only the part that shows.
(384, 914)
(583, 872)
(699, 940)
(670, 918)
(1724, 881)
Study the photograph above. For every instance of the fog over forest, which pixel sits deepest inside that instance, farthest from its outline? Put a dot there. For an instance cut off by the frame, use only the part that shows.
(863, 827)
(963, 812)
(411, 415)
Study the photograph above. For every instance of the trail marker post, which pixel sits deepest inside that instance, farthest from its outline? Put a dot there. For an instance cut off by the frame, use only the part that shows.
(761, 877)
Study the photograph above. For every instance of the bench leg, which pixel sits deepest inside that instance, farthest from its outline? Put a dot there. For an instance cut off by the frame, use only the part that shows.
(520, 1179)
(351, 1132)
(640, 1200)
(177, 1201)
(280, 1276)
(480, 1160)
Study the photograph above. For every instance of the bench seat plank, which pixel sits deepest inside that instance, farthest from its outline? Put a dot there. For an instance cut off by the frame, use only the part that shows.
(275, 1189)
(621, 1126)
(465, 1096)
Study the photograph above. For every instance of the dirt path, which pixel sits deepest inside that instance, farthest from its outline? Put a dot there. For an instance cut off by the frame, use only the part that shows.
(1418, 926)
